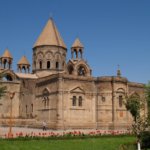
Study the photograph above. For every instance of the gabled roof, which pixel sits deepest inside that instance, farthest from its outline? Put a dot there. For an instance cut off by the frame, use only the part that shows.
(23, 61)
(7, 54)
(50, 36)
(77, 43)
(77, 90)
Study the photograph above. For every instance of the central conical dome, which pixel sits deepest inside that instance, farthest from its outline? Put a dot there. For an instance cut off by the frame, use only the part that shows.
(50, 36)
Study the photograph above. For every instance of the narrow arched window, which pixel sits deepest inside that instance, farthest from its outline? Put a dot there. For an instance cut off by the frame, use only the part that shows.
(70, 69)
(48, 65)
(24, 69)
(40, 63)
(5, 63)
(74, 99)
(80, 53)
(80, 100)
(81, 71)
(26, 109)
(120, 101)
(57, 65)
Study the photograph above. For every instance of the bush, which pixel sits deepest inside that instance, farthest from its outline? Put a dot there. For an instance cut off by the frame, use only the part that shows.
(145, 139)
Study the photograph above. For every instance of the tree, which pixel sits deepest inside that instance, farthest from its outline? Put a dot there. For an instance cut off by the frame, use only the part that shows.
(147, 94)
(134, 104)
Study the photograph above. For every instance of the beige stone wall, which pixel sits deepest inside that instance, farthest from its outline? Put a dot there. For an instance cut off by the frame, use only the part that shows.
(5, 102)
(50, 99)
(78, 116)
(27, 98)
(46, 101)
(109, 112)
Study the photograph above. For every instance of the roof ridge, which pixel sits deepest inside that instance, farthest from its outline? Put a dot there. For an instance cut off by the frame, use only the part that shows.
(55, 31)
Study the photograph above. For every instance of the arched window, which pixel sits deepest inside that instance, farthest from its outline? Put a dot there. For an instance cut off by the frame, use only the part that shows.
(120, 101)
(24, 69)
(31, 107)
(76, 53)
(57, 65)
(26, 109)
(7, 77)
(80, 100)
(45, 101)
(40, 63)
(74, 99)
(5, 63)
(80, 53)
(81, 71)
(70, 69)
(48, 65)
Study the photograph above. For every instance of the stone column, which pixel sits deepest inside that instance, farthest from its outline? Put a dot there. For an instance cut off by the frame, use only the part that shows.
(60, 110)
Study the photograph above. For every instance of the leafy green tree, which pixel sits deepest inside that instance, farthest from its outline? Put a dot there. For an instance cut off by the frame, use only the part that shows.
(134, 104)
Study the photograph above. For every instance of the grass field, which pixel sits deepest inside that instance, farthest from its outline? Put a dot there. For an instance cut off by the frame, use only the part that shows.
(102, 143)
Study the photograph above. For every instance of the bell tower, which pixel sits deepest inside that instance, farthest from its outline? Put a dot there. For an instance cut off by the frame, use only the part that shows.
(23, 65)
(77, 50)
(77, 65)
(6, 60)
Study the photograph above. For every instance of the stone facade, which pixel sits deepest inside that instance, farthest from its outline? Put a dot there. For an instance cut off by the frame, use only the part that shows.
(64, 94)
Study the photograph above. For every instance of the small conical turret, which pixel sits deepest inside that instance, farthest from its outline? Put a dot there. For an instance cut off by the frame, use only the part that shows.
(77, 48)
(77, 44)
(6, 60)
(23, 64)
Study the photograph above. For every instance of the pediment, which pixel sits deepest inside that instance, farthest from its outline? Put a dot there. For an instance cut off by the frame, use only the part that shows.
(46, 91)
(77, 90)
(134, 94)
(70, 62)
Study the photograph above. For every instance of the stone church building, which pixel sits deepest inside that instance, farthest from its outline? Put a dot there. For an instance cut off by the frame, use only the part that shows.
(64, 94)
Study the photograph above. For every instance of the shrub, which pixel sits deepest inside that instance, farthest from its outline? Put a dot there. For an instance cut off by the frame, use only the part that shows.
(145, 139)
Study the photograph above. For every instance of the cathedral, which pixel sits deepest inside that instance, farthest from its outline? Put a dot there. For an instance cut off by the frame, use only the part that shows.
(62, 93)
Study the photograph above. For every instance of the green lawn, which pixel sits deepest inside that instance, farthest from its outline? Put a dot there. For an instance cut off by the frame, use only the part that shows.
(102, 143)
